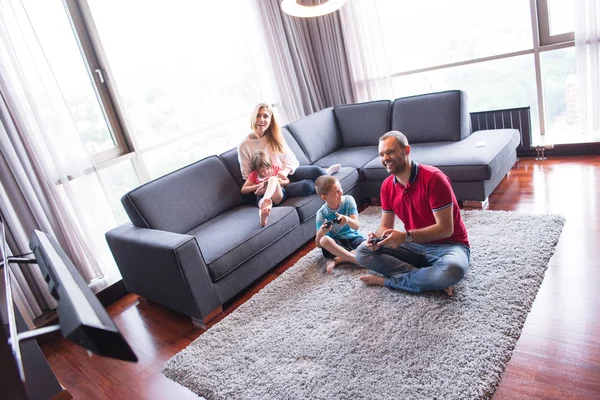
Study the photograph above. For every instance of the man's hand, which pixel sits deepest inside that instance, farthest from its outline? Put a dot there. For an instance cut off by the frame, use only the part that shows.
(371, 246)
(394, 238)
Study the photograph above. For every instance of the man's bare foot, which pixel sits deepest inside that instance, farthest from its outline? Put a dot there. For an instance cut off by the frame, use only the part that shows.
(449, 291)
(332, 263)
(373, 280)
(265, 210)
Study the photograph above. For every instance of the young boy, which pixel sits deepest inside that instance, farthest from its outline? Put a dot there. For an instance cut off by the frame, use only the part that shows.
(338, 239)
(267, 184)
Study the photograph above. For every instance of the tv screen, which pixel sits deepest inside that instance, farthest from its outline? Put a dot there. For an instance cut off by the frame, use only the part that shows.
(82, 317)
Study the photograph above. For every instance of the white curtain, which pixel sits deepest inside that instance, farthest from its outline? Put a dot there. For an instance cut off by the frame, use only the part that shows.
(366, 52)
(587, 47)
(42, 153)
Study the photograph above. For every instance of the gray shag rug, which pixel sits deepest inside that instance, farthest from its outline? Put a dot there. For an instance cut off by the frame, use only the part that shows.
(310, 335)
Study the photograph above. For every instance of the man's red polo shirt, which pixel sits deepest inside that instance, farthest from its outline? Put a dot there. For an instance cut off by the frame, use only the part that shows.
(428, 190)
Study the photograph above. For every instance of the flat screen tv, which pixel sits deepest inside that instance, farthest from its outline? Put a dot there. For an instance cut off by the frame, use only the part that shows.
(81, 316)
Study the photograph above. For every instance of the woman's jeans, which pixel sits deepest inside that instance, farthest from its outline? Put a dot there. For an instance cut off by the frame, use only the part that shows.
(415, 267)
(302, 182)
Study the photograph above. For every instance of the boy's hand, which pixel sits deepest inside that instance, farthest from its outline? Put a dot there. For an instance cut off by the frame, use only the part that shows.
(342, 218)
(325, 228)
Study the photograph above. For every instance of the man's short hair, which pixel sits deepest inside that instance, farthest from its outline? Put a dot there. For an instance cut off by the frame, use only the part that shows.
(399, 136)
(324, 183)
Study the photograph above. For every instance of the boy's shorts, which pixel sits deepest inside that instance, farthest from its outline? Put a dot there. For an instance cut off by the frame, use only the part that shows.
(284, 198)
(348, 244)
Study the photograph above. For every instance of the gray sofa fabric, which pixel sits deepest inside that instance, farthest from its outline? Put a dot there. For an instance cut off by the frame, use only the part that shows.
(231, 238)
(185, 198)
(317, 134)
(433, 117)
(364, 123)
(194, 241)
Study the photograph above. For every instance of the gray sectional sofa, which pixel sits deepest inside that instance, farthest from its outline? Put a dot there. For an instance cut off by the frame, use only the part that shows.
(194, 241)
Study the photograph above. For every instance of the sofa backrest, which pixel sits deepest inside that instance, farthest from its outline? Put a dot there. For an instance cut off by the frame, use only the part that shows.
(317, 134)
(294, 146)
(433, 117)
(362, 124)
(184, 199)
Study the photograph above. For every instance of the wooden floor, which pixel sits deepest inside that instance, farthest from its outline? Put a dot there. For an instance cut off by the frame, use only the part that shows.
(557, 356)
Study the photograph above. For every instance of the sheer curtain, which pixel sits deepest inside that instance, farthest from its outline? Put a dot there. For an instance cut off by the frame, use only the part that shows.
(366, 52)
(309, 59)
(42, 157)
(587, 47)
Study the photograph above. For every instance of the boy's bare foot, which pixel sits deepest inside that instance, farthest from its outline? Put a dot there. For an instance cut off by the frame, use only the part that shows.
(373, 280)
(449, 291)
(265, 210)
(332, 263)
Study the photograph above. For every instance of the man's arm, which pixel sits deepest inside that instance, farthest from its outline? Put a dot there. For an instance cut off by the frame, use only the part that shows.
(443, 227)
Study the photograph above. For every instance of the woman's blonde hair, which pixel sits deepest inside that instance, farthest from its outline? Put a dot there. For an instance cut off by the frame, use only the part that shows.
(273, 133)
(261, 159)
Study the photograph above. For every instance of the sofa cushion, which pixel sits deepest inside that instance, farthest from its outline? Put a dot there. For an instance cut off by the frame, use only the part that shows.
(317, 134)
(232, 237)
(185, 198)
(355, 157)
(362, 124)
(295, 147)
(433, 117)
(460, 161)
(307, 206)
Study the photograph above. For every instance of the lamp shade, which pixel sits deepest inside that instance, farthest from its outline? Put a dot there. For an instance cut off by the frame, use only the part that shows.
(292, 7)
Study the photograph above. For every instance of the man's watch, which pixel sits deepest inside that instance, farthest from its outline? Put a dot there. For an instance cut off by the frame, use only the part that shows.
(408, 238)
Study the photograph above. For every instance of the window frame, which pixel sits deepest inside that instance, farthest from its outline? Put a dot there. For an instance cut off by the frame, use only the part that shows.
(546, 38)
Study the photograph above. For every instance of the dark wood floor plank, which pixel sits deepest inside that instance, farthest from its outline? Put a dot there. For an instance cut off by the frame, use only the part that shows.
(556, 357)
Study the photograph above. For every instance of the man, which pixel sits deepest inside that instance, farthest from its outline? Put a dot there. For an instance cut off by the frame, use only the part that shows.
(433, 252)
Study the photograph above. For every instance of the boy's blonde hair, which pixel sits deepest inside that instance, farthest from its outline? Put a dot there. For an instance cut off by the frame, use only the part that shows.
(324, 183)
(261, 159)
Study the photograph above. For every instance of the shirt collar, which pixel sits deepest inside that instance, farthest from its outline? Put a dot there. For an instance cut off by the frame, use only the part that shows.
(414, 170)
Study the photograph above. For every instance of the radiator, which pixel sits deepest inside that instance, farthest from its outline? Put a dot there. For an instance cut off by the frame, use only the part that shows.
(515, 118)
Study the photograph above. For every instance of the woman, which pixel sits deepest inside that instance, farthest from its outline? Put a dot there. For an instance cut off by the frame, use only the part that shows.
(266, 136)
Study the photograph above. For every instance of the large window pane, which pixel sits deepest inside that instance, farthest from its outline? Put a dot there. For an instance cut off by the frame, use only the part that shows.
(164, 159)
(181, 67)
(118, 180)
(53, 30)
(561, 95)
(421, 34)
(490, 85)
(561, 16)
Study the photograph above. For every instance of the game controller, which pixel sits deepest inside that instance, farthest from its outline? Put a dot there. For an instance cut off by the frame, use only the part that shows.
(376, 240)
(331, 222)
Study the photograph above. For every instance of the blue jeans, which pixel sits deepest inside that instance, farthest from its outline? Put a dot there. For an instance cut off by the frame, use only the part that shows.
(415, 267)
(302, 182)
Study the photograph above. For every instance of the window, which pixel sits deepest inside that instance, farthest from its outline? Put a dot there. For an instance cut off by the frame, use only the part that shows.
(557, 21)
(559, 77)
(497, 84)
(185, 70)
(54, 32)
(438, 32)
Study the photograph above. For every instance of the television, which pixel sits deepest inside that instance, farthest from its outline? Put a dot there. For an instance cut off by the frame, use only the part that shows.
(81, 317)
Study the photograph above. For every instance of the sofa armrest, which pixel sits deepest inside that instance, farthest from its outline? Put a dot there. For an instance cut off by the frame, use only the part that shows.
(164, 267)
